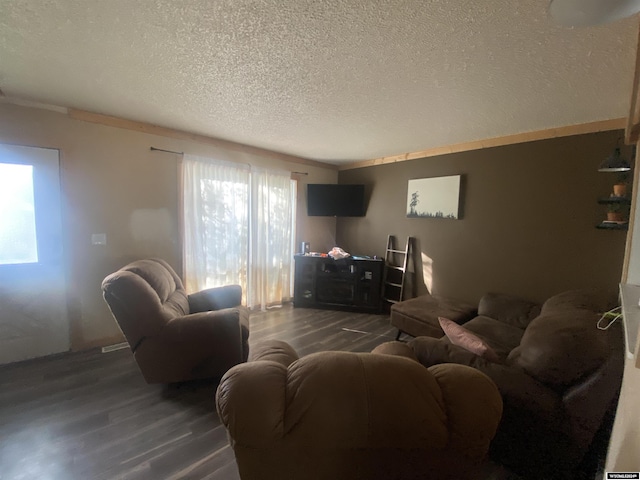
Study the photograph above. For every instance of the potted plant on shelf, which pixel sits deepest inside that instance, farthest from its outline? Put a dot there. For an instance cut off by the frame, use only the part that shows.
(620, 187)
(615, 212)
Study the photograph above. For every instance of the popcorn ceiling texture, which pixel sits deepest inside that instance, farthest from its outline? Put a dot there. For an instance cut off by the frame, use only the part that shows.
(331, 80)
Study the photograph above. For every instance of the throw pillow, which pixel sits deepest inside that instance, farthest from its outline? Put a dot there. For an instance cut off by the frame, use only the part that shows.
(462, 337)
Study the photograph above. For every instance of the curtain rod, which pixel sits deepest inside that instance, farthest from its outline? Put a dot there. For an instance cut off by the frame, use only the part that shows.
(166, 151)
(182, 153)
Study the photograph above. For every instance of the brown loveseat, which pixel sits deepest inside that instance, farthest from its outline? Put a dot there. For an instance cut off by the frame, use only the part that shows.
(557, 372)
(343, 415)
(177, 337)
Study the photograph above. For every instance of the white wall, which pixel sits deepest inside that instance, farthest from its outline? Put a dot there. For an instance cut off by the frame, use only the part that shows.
(624, 446)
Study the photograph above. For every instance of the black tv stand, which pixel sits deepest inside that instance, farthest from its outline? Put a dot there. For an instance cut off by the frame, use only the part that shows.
(352, 283)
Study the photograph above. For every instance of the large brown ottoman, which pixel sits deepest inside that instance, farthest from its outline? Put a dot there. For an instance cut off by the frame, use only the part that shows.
(419, 316)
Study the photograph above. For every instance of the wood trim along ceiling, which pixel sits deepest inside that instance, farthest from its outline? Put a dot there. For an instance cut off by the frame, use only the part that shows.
(600, 126)
(110, 121)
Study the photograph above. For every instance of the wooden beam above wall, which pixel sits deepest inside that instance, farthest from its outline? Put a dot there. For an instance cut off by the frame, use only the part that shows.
(601, 126)
(194, 137)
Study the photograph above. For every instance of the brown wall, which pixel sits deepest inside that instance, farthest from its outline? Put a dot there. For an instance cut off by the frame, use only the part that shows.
(112, 183)
(528, 217)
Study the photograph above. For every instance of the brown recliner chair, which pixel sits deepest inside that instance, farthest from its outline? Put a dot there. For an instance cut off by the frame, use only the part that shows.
(177, 337)
(344, 415)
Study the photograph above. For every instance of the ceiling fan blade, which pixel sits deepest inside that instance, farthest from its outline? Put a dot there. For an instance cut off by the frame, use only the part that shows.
(579, 13)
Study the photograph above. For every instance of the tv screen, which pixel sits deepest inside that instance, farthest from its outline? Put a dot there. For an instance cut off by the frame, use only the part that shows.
(331, 200)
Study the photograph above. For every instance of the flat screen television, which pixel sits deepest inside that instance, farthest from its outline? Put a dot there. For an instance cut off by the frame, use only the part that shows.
(331, 200)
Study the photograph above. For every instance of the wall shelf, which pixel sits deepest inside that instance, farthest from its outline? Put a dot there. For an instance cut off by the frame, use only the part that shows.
(616, 204)
(613, 225)
(613, 200)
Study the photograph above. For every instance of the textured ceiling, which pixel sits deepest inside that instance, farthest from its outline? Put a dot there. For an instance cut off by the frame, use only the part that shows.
(330, 80)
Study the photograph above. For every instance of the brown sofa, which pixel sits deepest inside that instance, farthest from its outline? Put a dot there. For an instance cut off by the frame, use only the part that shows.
(177, 337)
(559, 376)
(343, 415)
(419, 316)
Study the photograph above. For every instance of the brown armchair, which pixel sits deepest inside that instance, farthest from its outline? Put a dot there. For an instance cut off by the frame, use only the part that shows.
(344, 415)
(177, 337)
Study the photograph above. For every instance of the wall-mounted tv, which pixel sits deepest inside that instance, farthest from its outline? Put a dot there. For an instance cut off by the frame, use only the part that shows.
(331, 200)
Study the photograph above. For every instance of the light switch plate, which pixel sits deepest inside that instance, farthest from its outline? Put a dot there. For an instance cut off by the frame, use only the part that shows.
(98, 239)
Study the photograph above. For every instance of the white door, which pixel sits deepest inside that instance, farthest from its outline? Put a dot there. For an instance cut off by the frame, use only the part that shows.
(33, 312)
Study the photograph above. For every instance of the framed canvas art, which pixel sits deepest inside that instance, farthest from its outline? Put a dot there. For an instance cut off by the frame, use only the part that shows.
(436, 197)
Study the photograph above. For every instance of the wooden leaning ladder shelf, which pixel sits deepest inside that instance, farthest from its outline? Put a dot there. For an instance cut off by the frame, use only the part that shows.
(396, 263)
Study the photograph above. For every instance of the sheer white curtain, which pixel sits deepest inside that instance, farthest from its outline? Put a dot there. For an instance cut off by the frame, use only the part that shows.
(272, 237)
(216, 223)
(238, 229)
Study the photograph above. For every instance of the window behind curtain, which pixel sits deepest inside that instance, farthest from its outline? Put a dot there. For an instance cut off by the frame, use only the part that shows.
(272, 237)
(216, 223)
(238, 229)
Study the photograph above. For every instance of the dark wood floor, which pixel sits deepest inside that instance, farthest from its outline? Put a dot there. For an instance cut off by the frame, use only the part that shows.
(90, 415)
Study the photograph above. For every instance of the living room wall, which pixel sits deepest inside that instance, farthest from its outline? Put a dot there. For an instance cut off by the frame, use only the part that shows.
(528, 219)
(112, 183)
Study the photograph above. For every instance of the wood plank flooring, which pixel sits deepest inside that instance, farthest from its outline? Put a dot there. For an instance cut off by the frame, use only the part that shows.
(90, 415)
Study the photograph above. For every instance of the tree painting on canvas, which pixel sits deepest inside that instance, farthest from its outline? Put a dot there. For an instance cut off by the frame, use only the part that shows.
(436, 197)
